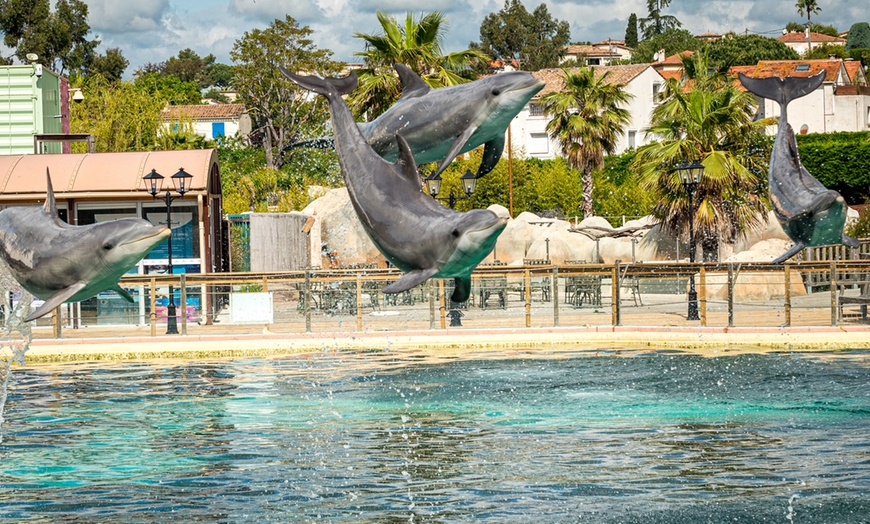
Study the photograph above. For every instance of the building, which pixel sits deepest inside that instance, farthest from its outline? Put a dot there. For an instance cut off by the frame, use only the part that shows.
(841, 103)
(529, 136)
(211, 120)
(96, 187)
(606, 52)
(801, 41)
(33, 101)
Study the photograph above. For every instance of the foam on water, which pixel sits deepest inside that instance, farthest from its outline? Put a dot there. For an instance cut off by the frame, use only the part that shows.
(16, 333)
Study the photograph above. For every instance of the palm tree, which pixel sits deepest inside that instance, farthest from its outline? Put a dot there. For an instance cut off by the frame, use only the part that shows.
(417, 44)
(809, 7)
(708, 119)
(587, 121)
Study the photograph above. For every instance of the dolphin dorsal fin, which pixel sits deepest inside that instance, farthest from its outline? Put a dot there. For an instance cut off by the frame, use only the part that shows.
(50, 206)
(412, 85)
(406, 163)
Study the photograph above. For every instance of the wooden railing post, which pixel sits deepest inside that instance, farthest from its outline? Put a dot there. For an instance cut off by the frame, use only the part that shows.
(359, 316)
(730, 295)
(153, 307)
(554, 293)
(183, 285)
(834, 286)
(528, 297)
(702, 291)
(441, 305)
(787, 275)
(616, 312)
(306, 304)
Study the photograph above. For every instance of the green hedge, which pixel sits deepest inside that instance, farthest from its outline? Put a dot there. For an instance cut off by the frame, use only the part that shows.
(840, 161)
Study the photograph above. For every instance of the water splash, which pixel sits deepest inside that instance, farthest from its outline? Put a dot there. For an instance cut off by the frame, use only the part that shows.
(16, 333)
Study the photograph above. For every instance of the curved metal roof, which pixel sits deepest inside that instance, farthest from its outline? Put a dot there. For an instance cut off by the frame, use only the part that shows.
(104, 175)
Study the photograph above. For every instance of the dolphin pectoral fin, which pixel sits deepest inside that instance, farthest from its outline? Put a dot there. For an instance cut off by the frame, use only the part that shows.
(492, 151)
(123, 293)
(55, 300)
(792, 251)
(461, 289)
(410, 279)
(851, 242)
(455, 148)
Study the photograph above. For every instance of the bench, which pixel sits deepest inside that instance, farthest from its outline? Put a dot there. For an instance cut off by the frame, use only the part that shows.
(862, 299)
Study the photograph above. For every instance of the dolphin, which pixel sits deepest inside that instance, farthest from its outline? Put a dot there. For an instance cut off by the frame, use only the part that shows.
(58, 262)
(809, 213)
(413, 231)
(440, 124)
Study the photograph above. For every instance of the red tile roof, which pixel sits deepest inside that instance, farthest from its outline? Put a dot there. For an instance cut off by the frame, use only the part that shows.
(784, 68)
(203, 111)
(800, 37)
(554, 79)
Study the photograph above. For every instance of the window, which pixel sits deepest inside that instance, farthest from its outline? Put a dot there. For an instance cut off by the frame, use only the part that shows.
(217, 129)
(802, 68)
(185, 229)
(536, 109)
(632, 139)
(539, 144)
(656, 92)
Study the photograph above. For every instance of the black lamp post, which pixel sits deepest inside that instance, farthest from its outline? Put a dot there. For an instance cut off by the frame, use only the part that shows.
(433, 187)
(180, 181)
(690, 176)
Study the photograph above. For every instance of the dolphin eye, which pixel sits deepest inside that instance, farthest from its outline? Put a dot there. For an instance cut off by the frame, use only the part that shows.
(108, 246)
(496, 92)
(455, 232)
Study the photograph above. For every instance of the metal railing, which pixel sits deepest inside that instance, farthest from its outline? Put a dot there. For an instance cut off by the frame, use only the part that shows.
(539, 295)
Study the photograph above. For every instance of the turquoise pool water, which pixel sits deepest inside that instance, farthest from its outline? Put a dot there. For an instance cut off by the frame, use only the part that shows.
(383, 437)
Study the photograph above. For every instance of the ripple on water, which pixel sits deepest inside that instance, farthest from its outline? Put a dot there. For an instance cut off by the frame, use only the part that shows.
(652, 438)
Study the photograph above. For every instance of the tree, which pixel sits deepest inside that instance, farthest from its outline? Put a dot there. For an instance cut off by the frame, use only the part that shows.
(59, 38)
(219, 75)
(587, 119)
(826, 50)
(656, 23)
(671, 41)
(282, 113)
(631, 31)
(536, 40)
(120, 115)
(713, 122)
(169, 88)
(417, 44)
(736, 50)
(110, 65)
(808, 7)
(859, 36)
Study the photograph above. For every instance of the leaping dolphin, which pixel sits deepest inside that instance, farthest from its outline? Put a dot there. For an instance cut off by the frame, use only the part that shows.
(440, 124)
(414, 232)
(59, 263)
(809, 213)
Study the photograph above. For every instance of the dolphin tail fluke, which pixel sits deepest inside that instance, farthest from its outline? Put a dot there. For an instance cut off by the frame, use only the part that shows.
(409, 280)
(461, 289)
(323, 86)
(794, 250)
(783, 90)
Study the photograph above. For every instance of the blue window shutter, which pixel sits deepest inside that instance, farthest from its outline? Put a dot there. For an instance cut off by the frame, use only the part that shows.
(217, 129)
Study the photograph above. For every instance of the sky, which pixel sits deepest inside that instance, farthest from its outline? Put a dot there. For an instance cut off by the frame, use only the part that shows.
(155, 30)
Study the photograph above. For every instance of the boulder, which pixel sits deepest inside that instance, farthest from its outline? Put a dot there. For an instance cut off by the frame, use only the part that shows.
(342, 236)
(755, 286)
